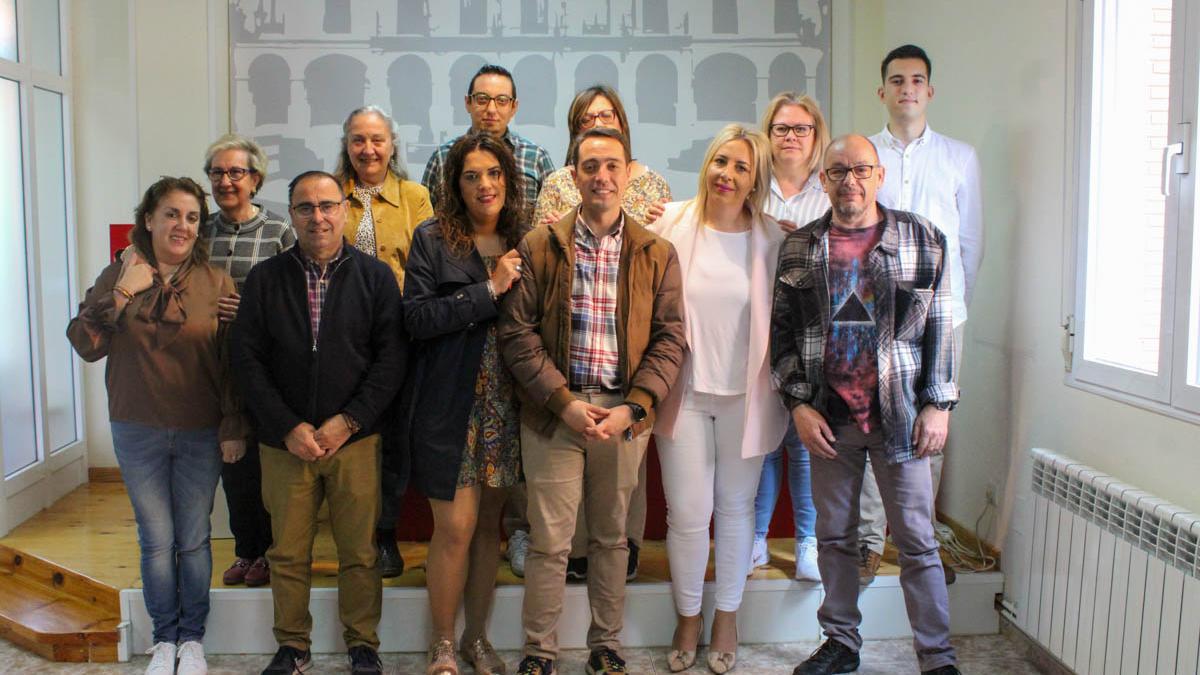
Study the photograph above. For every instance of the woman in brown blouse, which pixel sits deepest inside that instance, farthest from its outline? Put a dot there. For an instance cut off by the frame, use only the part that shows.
(174, 417)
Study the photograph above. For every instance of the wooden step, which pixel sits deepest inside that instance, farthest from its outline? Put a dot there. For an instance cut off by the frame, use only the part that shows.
(56, 613)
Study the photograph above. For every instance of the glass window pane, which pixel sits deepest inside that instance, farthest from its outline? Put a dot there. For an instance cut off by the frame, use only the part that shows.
(53, 270)
(1127, 211)
(45, 49)
(17, 423)
(8, 29)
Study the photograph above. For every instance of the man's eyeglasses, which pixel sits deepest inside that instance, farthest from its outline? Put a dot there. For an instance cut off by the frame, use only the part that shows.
(860, 171)
(801, 130)
(307, 209)
(235, 174)
(588, 120)
(482, 100)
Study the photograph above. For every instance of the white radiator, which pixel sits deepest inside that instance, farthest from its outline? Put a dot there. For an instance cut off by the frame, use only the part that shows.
(1110, 577)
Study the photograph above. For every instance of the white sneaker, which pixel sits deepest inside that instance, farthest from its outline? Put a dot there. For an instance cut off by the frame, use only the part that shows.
(806, 560)
(162, 659)
(191, 659)
(759, 556)
(518, 548)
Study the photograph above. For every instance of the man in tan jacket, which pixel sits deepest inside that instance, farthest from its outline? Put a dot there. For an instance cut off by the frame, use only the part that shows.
(593, 334)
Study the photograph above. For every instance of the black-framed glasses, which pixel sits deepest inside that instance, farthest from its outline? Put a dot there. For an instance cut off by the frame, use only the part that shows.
(860, 171)
(307, 209)
(483, 100)
(588, 120)
(801, 130)
(235, 174)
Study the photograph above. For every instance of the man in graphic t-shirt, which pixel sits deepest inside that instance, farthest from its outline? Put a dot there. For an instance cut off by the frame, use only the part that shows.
(862, 346)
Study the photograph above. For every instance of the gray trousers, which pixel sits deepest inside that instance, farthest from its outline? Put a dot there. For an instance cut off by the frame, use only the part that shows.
(908, 502)
(872, 519)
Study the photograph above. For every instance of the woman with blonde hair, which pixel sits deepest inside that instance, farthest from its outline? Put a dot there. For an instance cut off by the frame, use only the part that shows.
(799, 137)
(722, 415)
(239, 235)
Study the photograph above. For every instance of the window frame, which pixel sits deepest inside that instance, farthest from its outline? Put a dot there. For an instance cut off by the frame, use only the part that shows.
(28, 78)
(1168, 391)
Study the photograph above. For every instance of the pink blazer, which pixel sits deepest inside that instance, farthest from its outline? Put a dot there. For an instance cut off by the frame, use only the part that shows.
(766, 418)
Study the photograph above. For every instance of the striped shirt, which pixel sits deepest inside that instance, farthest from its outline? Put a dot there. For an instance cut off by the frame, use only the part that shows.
(237, 247)
(594, 353)
(914, 342)
(532, 161)
(802, 208)
(317, 280)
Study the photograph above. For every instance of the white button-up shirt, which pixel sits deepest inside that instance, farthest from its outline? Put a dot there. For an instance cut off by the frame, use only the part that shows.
(802, 208)
(938, 177)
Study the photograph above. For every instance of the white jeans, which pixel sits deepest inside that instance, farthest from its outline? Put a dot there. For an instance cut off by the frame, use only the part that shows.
(703, 466)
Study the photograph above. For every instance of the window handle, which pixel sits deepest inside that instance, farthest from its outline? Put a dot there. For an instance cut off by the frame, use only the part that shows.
(1169, 152)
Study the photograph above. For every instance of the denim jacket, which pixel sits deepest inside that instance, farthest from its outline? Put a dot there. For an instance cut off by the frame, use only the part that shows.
(914, 341)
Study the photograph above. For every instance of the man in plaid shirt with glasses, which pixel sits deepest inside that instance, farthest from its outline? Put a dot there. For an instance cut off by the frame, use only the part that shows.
(862, 348)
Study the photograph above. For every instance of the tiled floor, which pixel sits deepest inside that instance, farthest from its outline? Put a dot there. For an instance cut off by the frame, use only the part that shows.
(980, 655)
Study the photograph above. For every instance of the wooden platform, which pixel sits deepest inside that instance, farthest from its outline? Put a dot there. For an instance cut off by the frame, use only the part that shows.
(90, 538)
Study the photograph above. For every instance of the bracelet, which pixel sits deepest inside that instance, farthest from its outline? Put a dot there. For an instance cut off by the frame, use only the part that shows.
(123, 291)
(492, 290)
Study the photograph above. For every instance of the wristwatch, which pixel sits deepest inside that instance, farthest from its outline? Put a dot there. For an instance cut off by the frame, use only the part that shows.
(639, 413)
(944, 406)
(351, 423)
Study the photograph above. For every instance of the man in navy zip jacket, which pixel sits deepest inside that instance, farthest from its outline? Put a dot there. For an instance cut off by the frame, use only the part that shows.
(320, 353)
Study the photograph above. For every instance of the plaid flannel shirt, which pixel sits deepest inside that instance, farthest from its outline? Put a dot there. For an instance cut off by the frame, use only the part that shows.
(913, 318)
(533, 162)
(595, 354)
(316, 280)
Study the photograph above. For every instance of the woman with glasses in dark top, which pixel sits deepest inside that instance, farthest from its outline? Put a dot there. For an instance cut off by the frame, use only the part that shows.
(239, 235)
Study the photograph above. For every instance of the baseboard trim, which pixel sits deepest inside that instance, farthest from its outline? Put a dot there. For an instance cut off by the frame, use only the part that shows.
(104, 474)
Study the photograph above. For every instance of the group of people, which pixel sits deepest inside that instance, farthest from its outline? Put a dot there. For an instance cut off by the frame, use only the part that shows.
(506, 337)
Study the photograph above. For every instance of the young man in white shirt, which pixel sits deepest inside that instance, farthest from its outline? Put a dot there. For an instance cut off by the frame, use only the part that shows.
(937, 177)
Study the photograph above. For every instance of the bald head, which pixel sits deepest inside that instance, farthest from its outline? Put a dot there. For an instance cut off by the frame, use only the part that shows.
(852, 175)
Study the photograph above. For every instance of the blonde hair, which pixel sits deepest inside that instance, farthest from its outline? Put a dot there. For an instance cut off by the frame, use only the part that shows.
(760, 160)
(255, 157)
(810, 106)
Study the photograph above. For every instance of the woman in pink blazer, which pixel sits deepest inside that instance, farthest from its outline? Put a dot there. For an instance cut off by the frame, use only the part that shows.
(722, 416)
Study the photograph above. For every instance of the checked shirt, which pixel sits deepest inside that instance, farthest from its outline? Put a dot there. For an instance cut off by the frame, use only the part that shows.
(914, 323)
(595, 355)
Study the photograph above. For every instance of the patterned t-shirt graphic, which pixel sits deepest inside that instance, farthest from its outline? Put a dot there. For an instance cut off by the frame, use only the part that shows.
(851, 369)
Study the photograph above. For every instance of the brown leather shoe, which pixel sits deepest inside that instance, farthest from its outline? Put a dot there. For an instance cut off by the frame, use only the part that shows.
(483, 658)
(236, 573)
(259, 573)
(868, 566)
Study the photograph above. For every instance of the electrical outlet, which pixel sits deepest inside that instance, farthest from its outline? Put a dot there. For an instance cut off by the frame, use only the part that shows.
(989, 494)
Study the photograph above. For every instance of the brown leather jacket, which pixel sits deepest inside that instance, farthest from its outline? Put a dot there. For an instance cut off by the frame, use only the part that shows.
(534, 330)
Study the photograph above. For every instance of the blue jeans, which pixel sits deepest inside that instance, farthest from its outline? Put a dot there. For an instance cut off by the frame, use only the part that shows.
(171, 477)
(804, 515)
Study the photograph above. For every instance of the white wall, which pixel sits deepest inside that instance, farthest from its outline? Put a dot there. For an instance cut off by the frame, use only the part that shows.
(151, 91)
(143, 109)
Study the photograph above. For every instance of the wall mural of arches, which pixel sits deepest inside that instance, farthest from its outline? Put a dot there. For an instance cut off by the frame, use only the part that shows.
(686, 67)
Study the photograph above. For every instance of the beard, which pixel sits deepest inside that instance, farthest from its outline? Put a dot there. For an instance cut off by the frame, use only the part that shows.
(849, 210)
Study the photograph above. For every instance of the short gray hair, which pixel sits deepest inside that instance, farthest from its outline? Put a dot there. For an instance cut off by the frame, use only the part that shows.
(345, 170)
(254, 155)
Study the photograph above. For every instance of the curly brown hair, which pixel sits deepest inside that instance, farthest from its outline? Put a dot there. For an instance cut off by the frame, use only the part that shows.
(140, 237)
(451, 211)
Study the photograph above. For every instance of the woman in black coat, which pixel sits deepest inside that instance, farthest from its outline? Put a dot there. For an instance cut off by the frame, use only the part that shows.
(464, 431)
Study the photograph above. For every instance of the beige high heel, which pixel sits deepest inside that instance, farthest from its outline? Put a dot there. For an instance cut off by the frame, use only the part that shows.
(679, 660)
(723, 662)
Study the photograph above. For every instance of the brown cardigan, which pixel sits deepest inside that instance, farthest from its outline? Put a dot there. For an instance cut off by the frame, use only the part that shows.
(167, 361)
(534, 329)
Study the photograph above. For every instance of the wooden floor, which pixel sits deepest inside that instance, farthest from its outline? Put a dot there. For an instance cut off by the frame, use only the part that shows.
(92, 531)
